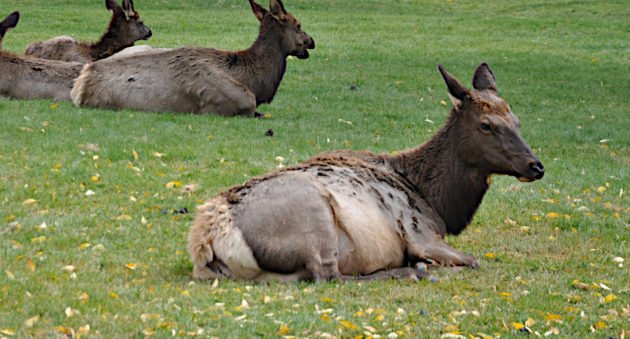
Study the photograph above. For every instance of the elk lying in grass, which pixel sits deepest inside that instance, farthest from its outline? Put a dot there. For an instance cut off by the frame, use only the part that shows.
(359, 215)
(125, 28)
(33, 78)
(199, 80)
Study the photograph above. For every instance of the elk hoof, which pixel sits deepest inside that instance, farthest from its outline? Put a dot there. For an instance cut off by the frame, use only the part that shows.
(474, 264)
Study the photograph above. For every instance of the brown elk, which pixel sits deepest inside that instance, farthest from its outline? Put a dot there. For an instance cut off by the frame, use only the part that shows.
(359, 215)
(33, 78)
(125, 28)
(199, 80)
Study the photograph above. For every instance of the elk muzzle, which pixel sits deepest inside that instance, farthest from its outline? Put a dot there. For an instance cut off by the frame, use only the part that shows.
(536, 171)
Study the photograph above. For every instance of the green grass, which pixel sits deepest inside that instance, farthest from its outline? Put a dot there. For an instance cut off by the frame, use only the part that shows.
(563, 66)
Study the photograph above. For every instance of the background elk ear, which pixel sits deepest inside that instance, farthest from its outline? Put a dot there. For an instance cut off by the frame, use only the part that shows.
(258, 10)
(484, 78)
(111, 5)
(10, 22)
(277, 9)
(456, 91)
(127, 6)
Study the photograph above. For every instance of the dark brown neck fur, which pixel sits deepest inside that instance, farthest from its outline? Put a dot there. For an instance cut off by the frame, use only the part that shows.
(262, 66)
(110, 43)
(449, 185)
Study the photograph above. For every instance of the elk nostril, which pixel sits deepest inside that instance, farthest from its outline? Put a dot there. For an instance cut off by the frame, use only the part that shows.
(538, 169)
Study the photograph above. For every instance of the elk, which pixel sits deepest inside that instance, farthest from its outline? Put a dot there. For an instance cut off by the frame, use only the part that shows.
(33, 78)
(359, 215)
(125, 28)
(199, 80)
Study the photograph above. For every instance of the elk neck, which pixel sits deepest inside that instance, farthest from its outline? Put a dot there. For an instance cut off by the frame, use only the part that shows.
(439, 174)
(262, 66)
(108, 45)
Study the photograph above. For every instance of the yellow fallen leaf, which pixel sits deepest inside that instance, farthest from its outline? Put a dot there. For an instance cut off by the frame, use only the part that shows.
(150, 316)
(158, 154)
(518, 326)
(506, 294)
(84, 246)
(349, 325)
(64, 330)
(530, 322)
(610, 298)
(601, 189)
(7, 332)
(324, 317)
(132, 266)
(31, 265)
(95, 178)
(327, 300)
(283, 330)
(29, 202)
(490, 255)
(553, 317)
(84, 330)
(124, 217)
(30, 322)
(600, 325)
(172, 184)
(84, 296)
(553, 215)
(135, 155)
(114, 295)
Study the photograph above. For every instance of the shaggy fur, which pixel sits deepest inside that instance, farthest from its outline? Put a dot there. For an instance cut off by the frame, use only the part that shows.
(359, 215)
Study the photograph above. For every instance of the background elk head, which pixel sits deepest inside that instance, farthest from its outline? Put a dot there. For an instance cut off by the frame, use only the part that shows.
(293, 39)
(488, 132)
(130, 26)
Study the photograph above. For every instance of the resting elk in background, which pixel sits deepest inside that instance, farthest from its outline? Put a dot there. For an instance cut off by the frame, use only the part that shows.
(359, 215)
(199, 80)
(125, 28)
(33, 78)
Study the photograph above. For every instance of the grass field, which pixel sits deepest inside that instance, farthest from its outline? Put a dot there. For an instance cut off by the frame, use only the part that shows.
(92, 244)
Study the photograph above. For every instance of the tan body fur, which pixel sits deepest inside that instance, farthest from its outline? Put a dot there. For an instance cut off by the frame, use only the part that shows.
(358, 215)
(198, 80)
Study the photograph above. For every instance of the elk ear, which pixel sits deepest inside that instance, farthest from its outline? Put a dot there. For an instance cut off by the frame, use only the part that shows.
(277, 9)
(111, 5)
(484, 78)
(10, 21)
(456, 91)
(258, 10)
(127, 7)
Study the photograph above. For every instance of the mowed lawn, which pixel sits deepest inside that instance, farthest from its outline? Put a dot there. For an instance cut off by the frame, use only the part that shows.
(95, 205)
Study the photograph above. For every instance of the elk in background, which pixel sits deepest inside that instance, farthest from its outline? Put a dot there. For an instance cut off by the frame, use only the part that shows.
(359, 215)
(125, 28)
(199, 80)
(33, 78)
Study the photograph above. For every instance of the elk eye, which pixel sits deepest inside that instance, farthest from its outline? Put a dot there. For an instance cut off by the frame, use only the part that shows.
(486, 127)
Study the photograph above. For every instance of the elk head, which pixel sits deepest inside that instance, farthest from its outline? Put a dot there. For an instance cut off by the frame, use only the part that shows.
(488, 133)
(295, 41)
(127, 22)
(9, 22)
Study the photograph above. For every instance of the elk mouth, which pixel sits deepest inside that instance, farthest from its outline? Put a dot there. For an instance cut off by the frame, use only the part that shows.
(148, 35)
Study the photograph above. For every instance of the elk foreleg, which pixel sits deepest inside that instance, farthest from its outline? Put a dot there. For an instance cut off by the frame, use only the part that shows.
(223, 95)
(439, 251)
